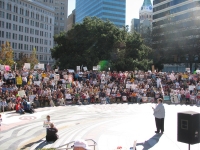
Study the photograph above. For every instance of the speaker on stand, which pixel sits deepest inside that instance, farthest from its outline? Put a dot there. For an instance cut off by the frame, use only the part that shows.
(188, 127)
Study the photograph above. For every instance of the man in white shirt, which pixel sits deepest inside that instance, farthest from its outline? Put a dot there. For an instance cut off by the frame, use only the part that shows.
(47, 122)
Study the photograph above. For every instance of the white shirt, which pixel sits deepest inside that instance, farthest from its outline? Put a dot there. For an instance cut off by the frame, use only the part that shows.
(46, 124)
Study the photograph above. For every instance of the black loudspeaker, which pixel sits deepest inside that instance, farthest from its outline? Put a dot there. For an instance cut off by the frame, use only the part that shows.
(188, 127)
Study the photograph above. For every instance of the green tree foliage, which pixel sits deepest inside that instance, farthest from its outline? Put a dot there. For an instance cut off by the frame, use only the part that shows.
(6, 54)
(95, 40)
(24, 59)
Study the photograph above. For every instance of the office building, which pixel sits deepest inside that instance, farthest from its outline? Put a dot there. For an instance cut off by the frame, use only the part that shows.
(135, 25)
(71, 20)
(27, 24)
(176, 32)
(61, 13)
(112, 10)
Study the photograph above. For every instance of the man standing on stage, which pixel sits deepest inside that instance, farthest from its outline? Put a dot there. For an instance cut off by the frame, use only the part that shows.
(159, 113)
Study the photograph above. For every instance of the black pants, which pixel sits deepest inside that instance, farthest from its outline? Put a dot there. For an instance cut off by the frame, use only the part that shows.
(159, 124)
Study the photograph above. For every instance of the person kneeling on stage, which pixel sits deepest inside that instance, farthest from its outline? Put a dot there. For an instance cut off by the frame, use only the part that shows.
(51, 133)
(27, 106)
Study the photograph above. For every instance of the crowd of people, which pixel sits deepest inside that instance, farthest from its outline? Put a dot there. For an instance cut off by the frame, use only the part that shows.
(22, 88)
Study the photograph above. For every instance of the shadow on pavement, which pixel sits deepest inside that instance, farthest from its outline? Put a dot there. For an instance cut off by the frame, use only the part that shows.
(41, 145)
(150, 142)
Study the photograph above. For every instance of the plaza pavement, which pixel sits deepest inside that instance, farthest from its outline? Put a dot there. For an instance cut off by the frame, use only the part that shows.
(110, 125)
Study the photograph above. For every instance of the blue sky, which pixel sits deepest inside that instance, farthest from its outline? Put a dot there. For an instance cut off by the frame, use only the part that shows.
(132, 9)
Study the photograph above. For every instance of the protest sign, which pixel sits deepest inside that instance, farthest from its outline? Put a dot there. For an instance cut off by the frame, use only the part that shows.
(2, 67)
(7, 68)
(27, 65)
(70, 70)
(37, 83)
(98, 67)
(191, 87)
(85, 68)
(78, 68)
(31, 98)
(187, 69)
(95, 68)
(57, 77)
(41, 66)
(21, 93)
(56, 70)
(172, 77)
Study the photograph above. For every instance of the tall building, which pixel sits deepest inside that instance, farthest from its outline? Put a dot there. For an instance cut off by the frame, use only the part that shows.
(113, 10)
(27, 24)
(135, 25)
(176, 32)
(71, 20)
(61, 13)
(146, 15)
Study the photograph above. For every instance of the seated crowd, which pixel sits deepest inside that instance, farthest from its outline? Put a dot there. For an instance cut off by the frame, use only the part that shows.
(42, 88)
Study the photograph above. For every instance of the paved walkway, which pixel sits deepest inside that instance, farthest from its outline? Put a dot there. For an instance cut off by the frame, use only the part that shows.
(109, 125)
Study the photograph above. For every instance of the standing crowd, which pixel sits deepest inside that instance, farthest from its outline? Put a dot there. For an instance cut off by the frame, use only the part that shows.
(22, 89)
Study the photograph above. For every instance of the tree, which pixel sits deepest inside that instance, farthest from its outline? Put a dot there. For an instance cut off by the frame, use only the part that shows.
(6, 54)
(23, 58)
(94, 40)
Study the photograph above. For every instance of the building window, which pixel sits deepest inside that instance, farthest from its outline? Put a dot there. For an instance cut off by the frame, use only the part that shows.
(2, 34)
(21, 19)
(27, 13)
(8, 35)
(9, 7)
(2, 14)
(27, 21)
(15, 9)
(21, 11)
(2, 24)
(8, 16)
(8, 25)
(41, 57)
(2, 6)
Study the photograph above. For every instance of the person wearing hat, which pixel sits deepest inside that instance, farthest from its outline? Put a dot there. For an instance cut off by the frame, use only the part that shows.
(159, 113)
(81, 145)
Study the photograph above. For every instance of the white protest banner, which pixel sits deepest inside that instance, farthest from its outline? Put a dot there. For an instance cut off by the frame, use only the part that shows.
(85, 68)
(98, 67)
(31, 98)
(37, 83)
(57, 77)
(27, 66)
(2, 67)
(36, 66)
(70, 70)
(21, 93)
(132, 86)
(108, 91)
(191, 87)
(172, 77)
(56, 70)
(198, 71)
(187, 69)
(95, 68)
(78, 68)
(141, 76)
(41, 66)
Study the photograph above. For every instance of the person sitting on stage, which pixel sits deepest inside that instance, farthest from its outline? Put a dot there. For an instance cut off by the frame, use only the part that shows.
(51, 133)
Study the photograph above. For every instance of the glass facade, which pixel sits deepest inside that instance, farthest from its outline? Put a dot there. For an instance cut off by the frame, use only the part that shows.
(113, 10)
(176, 27)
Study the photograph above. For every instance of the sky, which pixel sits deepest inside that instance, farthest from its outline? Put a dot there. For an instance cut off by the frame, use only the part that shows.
(132, 9)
